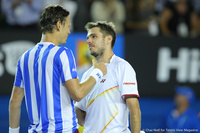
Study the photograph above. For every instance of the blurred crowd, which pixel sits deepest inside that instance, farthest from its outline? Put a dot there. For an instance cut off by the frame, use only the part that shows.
(155, 17)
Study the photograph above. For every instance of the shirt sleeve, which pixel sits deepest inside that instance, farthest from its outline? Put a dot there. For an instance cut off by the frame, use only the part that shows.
(127, 80)
(67, 65)
(18, 77)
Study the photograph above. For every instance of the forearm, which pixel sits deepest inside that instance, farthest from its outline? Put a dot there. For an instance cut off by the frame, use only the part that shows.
(164, 29)
(87, 86)
(135, 120)
(15, 106)
(194, 25)
(78, 91)
(14, 114)
(164, 19)
(81, 116)
(135, 114)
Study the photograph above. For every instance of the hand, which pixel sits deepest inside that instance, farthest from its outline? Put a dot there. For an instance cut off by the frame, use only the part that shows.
(100, 66)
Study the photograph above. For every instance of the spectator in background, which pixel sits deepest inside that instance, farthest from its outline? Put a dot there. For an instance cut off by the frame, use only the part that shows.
(84, 7)
(178, 18)
(138, 13)
(159, 5)
(110, 10)
(70, 5)
(22, 13)
(181, 116)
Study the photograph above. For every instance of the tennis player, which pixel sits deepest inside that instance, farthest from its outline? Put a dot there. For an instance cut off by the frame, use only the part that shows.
(46, 75)
(106, 108)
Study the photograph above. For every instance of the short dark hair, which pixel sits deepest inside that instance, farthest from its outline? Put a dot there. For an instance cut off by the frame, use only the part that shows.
(105, 28)
(50, 16)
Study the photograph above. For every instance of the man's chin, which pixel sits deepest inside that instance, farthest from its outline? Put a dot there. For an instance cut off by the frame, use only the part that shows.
(63, 43)
(91, 53)
(94, 54)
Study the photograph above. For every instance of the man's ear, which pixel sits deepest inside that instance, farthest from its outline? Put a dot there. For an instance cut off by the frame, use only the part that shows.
(109, 39)
(58, 25)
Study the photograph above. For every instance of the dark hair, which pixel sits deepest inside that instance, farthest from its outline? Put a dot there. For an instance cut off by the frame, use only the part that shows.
(105, 28)
(50, 16)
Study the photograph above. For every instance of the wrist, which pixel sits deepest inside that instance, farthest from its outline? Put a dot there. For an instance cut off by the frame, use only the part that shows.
(96, 74)
(13, 130)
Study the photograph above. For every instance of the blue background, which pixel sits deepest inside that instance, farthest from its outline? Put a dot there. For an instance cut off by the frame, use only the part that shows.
(152, 112)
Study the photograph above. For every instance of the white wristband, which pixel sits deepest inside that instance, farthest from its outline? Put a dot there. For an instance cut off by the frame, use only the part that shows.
(13, 130)
(97, 74)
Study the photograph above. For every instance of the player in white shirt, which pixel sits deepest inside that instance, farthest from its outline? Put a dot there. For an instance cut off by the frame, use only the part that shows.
(107, 106)
(47, 78)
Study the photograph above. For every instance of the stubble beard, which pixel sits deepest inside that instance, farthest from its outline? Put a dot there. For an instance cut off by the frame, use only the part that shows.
(98, 54)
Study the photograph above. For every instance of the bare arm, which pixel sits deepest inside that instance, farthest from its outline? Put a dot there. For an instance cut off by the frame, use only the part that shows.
(81, 116)
(194, 24)
(165, 16)
(135, 114)
(78, 91)
(15, 106)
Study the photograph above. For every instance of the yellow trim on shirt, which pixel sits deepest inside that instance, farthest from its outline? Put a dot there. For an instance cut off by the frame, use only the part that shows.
(90, 102)
(109, 123)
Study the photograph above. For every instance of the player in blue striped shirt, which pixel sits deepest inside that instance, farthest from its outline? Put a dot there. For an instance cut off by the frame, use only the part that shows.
(46, 75)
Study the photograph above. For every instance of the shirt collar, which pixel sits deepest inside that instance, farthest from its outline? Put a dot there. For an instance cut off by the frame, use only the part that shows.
(111, 60)
(45, 43)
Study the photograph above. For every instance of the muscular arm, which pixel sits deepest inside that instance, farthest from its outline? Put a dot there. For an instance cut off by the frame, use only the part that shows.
(135, 114)
(78, 91)
(15, 106)
(81, 116)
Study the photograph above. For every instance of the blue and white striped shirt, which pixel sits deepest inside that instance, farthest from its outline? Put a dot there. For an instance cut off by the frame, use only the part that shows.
(42, 71)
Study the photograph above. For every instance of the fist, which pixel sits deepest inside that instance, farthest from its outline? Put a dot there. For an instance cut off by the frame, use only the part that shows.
(100, 66)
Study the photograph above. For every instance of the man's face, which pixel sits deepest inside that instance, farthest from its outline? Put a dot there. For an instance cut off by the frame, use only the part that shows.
(64, 30)
(182, 6)
(180, 99)
(96, 42)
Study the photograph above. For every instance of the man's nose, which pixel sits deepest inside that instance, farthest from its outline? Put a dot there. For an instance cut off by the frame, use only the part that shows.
(88, 41)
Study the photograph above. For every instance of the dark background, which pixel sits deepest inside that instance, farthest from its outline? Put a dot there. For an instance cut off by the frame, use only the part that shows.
(142, 52)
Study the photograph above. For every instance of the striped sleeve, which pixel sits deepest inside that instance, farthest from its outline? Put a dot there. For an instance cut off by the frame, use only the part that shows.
(18, 77)
(68, 65)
